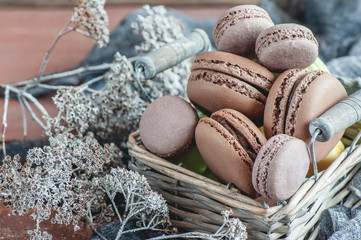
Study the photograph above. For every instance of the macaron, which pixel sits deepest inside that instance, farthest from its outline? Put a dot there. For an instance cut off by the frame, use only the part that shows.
(167, 126)
(237, 29)
(229, 142)
(280, 167)
(224, 80)
(286, 46)
(295, 99)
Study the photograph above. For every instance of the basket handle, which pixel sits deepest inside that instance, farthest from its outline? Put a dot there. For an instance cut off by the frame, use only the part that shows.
(339, 117)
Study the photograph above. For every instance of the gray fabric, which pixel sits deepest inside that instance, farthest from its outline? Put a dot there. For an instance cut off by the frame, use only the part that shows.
(340, 223)
(355, 185)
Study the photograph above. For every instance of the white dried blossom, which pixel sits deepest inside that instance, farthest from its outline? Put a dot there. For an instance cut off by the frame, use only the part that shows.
(76, 112)
(39, 235)
(55, 178)
(157, 29)
(142, 204)
(119, 103)
(90, 14)
(233, 227)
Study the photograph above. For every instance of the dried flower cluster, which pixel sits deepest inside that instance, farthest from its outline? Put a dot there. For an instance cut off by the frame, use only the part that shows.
(172, 81)
(90, 15)
(142, 204)
(55, 178)
(119, 102)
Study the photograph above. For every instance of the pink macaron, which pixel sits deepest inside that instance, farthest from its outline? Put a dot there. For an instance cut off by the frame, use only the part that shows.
(286, 46)
(237, 29)
(280, 167)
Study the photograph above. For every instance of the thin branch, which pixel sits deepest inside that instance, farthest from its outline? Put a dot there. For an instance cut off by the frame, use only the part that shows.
(33, 115)
(23, 114)
(186, 235)
(65, 31)
(4, 122)
(114, 205)
(86, 85)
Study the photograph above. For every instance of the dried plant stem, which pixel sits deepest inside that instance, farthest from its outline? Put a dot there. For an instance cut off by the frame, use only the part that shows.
(25, 127)
(25, 97)
(192, 235)
(63, 32)
(4, 122)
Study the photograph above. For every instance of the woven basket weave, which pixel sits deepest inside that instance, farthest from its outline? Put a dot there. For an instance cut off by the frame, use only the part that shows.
(196, 201)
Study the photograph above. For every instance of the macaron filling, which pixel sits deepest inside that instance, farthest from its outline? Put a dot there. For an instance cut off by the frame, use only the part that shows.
(260, 82)
(297, 96)
(283, 98)
(237, 135)
(222, 79)
(285, 34)
(290, 99)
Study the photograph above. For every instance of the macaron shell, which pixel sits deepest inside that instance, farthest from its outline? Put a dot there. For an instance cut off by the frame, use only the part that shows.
(323, 92)
(236, 66)
(237, 29)
(214, 91)
(167, 126)
(280, 167)
(288, 170)
(217, 147)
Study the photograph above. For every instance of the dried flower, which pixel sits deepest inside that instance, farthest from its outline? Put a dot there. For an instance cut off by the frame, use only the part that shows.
(119, 102)
(172, 81)
(142, 204)
(90, 14)
(54, 178)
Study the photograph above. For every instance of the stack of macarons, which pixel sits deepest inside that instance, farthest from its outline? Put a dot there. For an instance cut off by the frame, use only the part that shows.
(259, 78)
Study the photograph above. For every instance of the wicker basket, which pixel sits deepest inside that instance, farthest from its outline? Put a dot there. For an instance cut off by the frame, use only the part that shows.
(196, 201)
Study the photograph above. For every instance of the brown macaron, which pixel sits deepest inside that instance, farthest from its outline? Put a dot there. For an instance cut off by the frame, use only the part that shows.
(296, 98)
(167, 126)
(286, 46)
(280, 167)
(237, 29)
(229, 142)
(223, 80)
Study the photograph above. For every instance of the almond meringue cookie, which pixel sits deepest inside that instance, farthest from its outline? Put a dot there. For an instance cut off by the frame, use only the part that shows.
(237, 29)
(286, 46)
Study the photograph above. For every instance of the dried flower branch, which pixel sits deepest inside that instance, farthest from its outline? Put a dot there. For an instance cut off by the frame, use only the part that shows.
(141, 203)
(232, 228)
(55, 178)
(89, 15)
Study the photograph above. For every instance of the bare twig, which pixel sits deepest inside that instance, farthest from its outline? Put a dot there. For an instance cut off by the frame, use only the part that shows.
(65, 31)
(23, 113)
(4, 122)
(33, 115)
